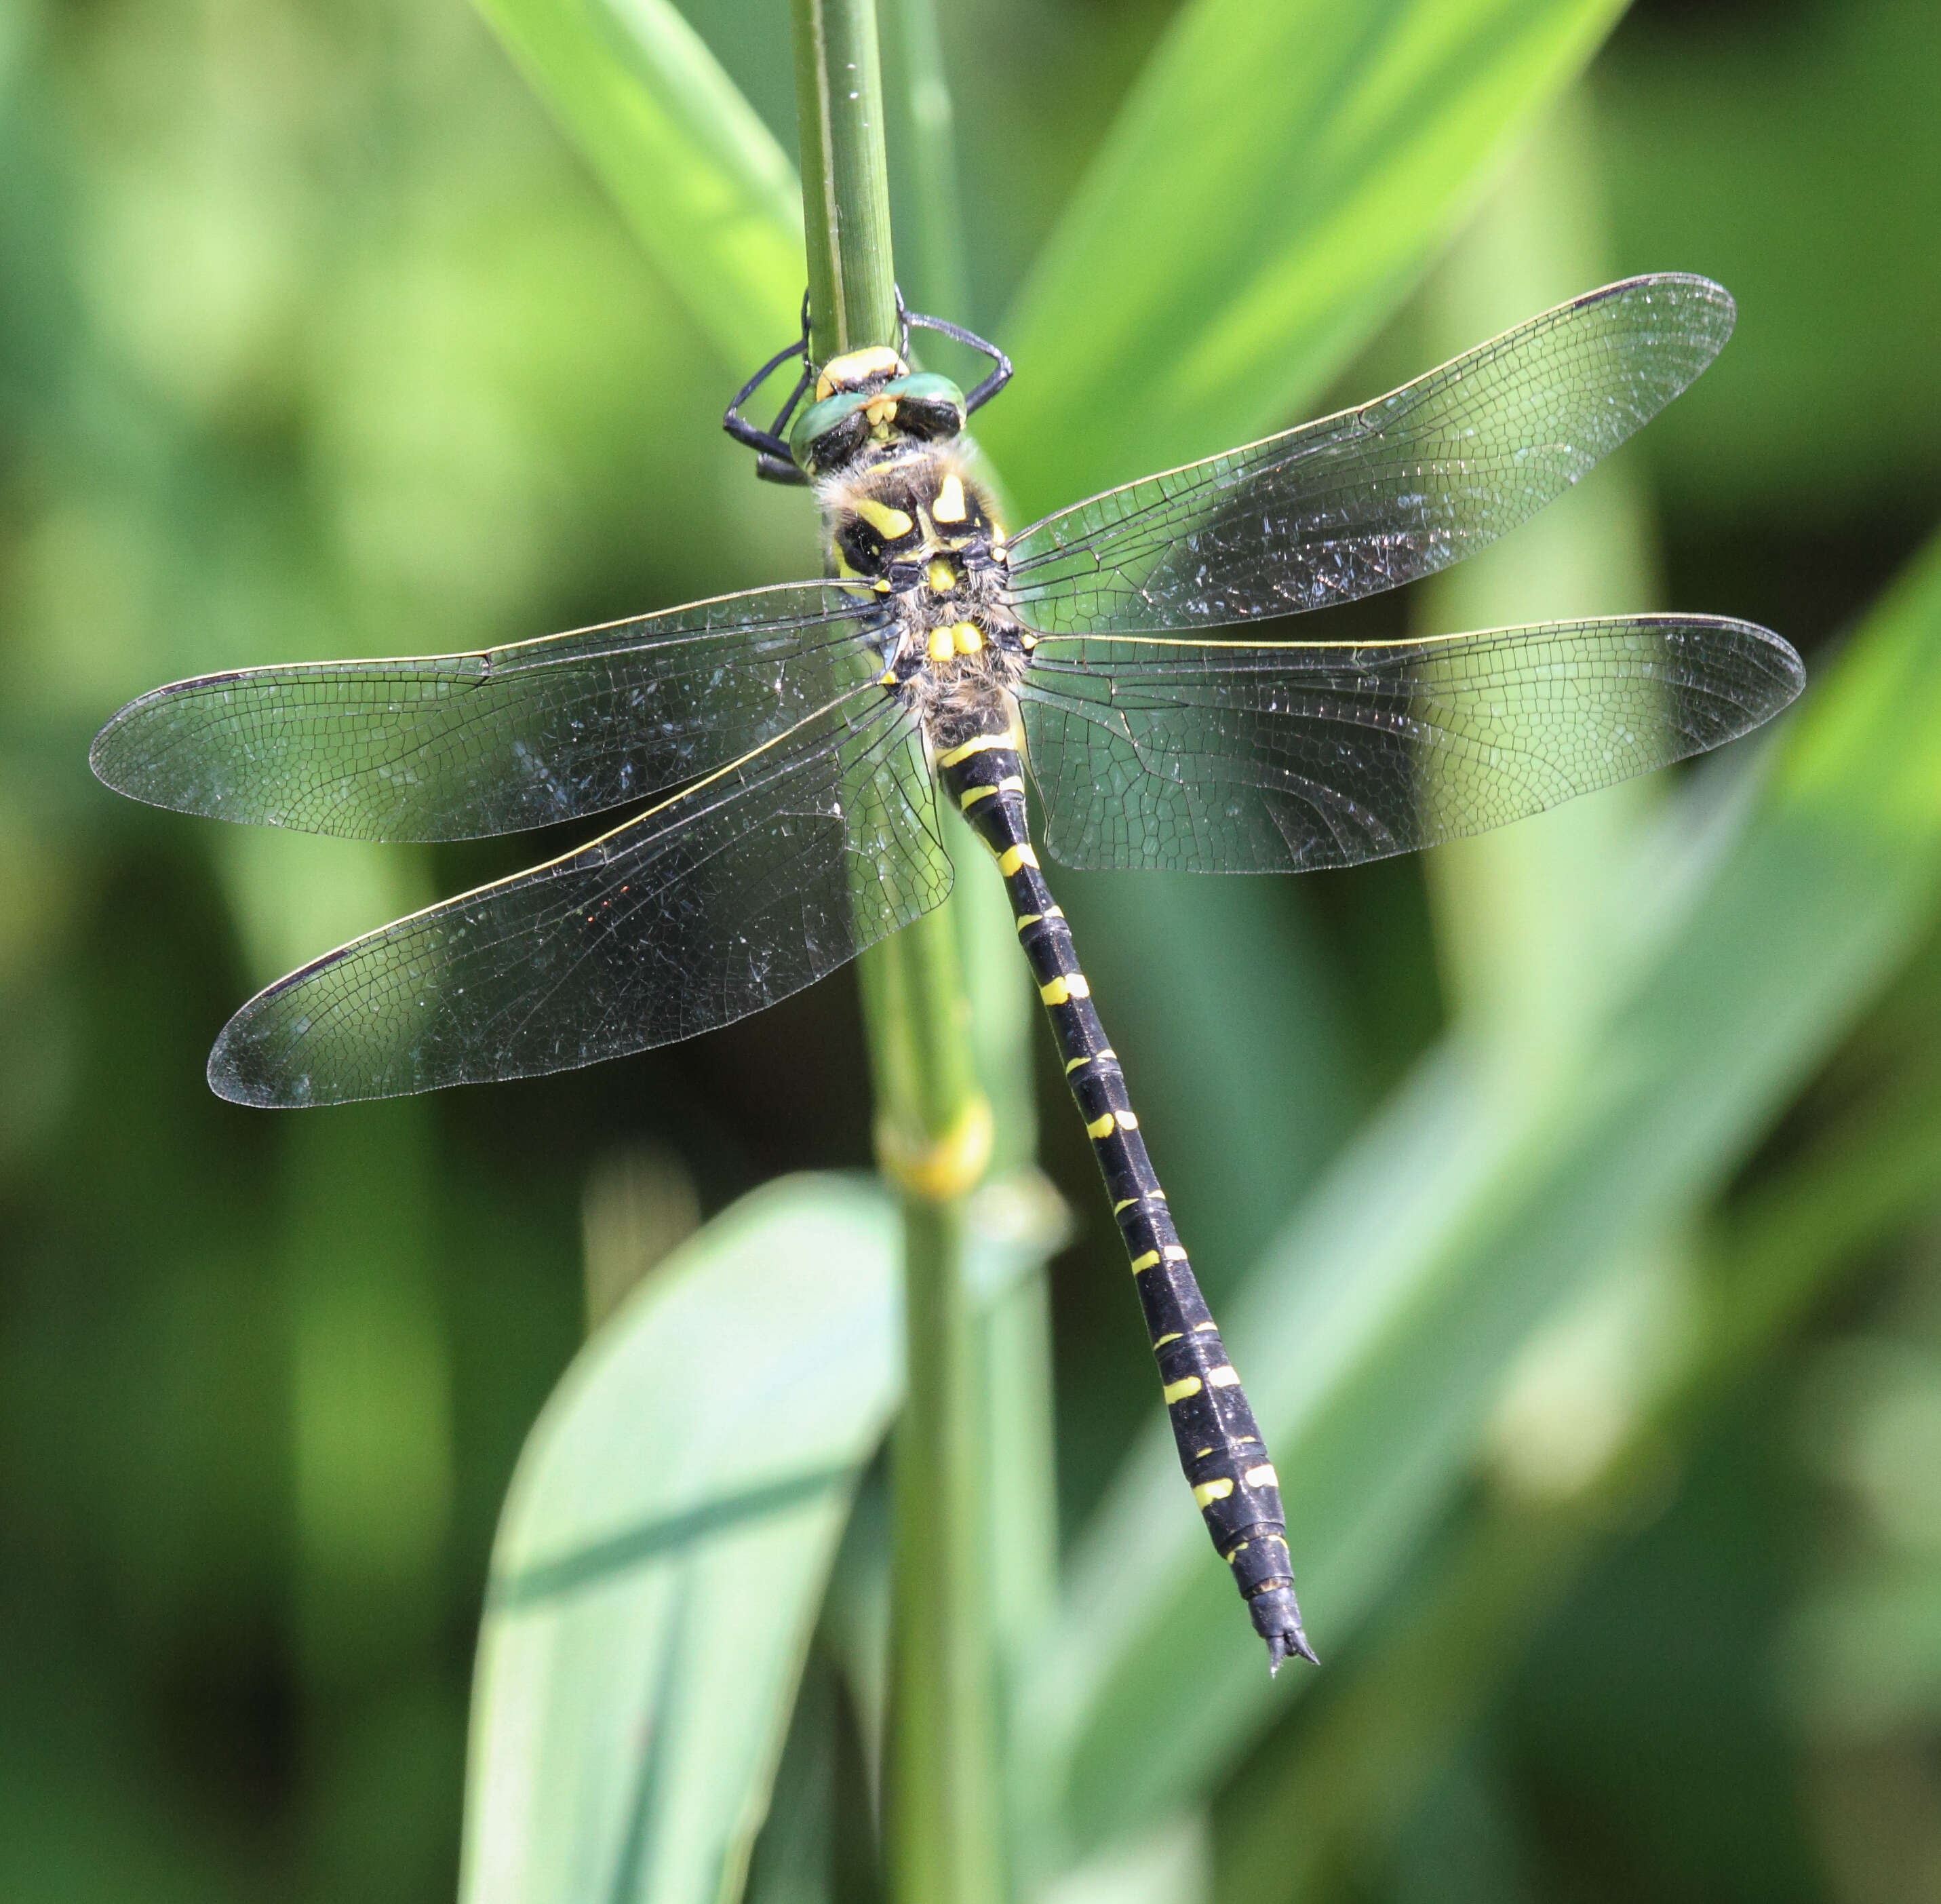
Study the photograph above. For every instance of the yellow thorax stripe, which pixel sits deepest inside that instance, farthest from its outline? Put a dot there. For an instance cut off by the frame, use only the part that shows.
(891, 524)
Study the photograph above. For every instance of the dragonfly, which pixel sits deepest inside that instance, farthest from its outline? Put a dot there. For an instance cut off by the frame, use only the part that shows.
(801, 748)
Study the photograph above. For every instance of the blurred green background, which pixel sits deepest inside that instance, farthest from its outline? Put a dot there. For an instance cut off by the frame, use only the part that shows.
(316, 339)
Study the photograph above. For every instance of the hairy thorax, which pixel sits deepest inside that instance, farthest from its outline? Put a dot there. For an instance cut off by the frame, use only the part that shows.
(921, 529)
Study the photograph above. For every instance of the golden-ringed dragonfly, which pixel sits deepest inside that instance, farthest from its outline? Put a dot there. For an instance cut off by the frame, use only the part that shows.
(809, 739)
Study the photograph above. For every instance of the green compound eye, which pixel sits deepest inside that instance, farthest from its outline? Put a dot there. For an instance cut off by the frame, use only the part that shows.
(827, 433)
(923, 405)
(928, 406)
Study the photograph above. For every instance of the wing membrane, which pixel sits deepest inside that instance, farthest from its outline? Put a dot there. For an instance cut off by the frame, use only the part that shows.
(744, 889)
(1225, 758)
(1373, 497)
(455, 746)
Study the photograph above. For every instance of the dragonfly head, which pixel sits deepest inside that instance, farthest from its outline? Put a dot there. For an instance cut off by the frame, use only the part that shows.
(870, 398)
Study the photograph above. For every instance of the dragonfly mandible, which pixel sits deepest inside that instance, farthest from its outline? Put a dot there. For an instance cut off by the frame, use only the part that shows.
(805, 737)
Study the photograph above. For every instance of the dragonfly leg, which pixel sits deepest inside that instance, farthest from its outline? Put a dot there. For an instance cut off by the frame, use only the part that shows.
(1220, 1446)
(773, 461)
(908, 321)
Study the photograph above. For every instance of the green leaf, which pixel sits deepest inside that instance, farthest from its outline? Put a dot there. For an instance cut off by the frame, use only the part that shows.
(663, 1551)
(1280, 176)
(664, 1546)
(1374, 1336)
(711, 196)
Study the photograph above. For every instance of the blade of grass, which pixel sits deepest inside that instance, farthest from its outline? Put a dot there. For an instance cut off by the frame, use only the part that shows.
(662, 1551)
(931, 246)
(710, 195)
(1375, 1334)
(1343, 1779)
(1524, 930)
(1248, 220)
(1523, 914)
(664, 1547)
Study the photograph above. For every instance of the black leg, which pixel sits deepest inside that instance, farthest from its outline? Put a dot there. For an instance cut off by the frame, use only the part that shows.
(1000, 374)
(772, 460)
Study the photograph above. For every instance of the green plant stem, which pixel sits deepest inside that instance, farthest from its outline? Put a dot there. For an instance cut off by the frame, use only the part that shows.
(1014, 1330)
(846, 177)
(933, 1124)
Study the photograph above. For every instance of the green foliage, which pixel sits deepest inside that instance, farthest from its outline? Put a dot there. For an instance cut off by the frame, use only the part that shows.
(1469, 1218)
(709, 193)
(1615, 1532)
(1286, 202)
(663, 1549)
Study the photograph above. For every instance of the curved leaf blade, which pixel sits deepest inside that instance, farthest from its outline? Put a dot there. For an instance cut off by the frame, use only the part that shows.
(1256, 219)
(707, 189)
(663, 1552)
(668, 1534)
(1375, 1334)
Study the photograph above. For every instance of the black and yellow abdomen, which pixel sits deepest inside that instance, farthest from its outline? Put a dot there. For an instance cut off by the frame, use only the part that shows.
(1220, 1450)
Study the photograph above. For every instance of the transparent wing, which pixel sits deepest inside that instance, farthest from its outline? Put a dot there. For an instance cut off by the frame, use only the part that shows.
(455, 746)
(1370, 498)
(1221, 757)
(742, 890)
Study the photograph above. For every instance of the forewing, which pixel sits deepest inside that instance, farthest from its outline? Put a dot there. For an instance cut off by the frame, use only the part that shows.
(742, 890)
(1221, 757)
(455, 746)
(1373, 497)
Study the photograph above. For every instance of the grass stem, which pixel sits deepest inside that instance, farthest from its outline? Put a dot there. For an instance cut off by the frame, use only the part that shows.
(933, 1124)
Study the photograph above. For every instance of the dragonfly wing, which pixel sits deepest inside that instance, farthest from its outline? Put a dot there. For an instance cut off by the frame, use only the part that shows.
(1219, 756)
(455, 746)
(740, 891)
(1364, 500)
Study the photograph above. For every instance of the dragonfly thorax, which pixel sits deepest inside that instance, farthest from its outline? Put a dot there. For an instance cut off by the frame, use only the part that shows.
(887, 516)
(923, 531)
